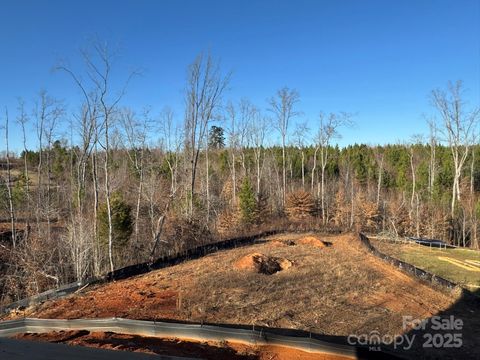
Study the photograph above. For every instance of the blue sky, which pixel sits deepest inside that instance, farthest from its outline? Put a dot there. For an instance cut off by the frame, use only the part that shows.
(378, 59)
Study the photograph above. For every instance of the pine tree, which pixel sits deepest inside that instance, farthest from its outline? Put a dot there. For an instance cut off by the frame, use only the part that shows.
(122, 221)
(216, 138)
(248, 203)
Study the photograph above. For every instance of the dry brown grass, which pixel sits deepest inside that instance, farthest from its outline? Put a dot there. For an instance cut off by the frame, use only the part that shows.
(336, 290)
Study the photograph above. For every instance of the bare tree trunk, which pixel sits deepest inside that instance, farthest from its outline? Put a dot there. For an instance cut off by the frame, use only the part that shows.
(139, 198)
(432, 166)
(40, 129)
(258, 175)
(193, 178)
(475, 230)
(459, 128)
(49, 185)
(379, 183)
(205, 86)
(207, 178)
(283, 108)
(284, 172)
(327, 131)
(159, 227)
(414, 182)
(352, 199)
(23, 120)
(96, 250)
(9, 186)
(303, 170)
(472, 177)
(417, 213)
(257, 129)
(107, 196)
(323, 161)
(473, 220)
(313, 169)
(234, 180)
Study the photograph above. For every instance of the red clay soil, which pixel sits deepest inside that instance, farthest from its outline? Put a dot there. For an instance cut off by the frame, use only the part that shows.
(331, 290)
(336, 290)
(175, 347)
(312, 241)
(263, 264)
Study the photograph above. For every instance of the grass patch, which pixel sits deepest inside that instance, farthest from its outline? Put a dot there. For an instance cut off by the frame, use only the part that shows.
(430, 260)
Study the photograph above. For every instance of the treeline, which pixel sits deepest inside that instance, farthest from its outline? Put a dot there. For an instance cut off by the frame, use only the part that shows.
(127, 187)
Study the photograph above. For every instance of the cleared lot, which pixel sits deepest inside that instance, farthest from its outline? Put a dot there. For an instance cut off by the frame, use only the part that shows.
(331, 286)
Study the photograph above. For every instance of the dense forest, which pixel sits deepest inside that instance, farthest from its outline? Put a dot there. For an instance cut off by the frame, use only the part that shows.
(126, 186)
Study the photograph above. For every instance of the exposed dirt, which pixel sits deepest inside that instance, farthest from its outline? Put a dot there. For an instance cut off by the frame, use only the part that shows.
(312, 241)
(331, 290)
(335, 290)
(175, 347)
(262, 264)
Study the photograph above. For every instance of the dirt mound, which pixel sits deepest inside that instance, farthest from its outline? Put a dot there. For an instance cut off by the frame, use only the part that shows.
(313, 241)
(282, 243)
(262, 264)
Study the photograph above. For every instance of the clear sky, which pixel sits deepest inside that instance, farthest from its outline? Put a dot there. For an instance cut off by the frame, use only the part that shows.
(378, 59)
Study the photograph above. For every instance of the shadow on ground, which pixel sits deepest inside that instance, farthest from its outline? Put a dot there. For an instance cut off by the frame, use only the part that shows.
(451, 334)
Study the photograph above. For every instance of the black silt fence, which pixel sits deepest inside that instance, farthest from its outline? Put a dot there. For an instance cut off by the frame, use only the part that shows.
(139, 269)
(409, 268)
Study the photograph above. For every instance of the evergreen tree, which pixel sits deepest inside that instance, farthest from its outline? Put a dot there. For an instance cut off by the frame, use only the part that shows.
(216, 139)
(122, 221)
(248, 203)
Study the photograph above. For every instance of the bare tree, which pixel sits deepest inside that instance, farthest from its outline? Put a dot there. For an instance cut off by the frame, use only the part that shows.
(257, 132)
(413, 156)
(240, 119)
(171, 141)
(458, 128)
(50, 125)
(136, 132)
(283, 107)
(171, 144)
(379, 159)
(473, 213)
(232, 132)
(47, 112)
(328, 130)
(414, 198)
(432, 167)
(8, 183)
(22, 119)
(102, 104)
(203, 95)
(299, 136)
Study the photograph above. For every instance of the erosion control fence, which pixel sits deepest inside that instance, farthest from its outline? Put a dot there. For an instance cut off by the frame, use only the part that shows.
(296, 339)
(409, 268)
(142, 268)
(200, 251)
(138, 269)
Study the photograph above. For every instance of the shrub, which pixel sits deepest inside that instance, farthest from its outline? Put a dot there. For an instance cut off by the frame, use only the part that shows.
(122, 221)
(299, 205)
